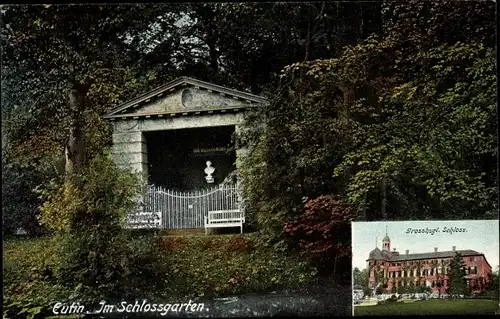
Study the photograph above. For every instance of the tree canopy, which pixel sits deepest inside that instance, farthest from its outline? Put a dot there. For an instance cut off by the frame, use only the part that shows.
(389, 105)
(402, 124)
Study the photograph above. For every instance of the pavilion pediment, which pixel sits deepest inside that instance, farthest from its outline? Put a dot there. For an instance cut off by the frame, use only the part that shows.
(186, 95)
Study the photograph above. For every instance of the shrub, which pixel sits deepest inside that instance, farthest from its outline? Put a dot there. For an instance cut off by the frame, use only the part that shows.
(210, 243)
(239, 245)
(323, 231)
(196, 271)
(172, 243)
(87, 213)
(20, 204)
(101, 195)
(143, 270)
(107, 265)
(29, 277)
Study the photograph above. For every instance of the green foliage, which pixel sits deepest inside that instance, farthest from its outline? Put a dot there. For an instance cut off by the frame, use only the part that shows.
(246, 45)
(59, 87)
(289, 153)
(30, 277)
(143, 267)
(457, 279)
(495, 284)
(20, 203)
(97, 199)
(436, 143)
(427, 24)
(101, 265)
(225, 265)
(97, 257)
(360, 277)
(40, 272)
(406, 123)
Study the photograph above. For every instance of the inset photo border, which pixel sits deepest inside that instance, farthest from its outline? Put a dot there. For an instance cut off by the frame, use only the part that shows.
(425, 267)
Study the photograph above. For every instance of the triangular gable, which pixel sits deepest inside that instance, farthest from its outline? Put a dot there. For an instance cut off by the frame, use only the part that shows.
(185, 95)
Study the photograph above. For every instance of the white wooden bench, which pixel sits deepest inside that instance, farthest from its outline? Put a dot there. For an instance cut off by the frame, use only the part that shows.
(224, 218)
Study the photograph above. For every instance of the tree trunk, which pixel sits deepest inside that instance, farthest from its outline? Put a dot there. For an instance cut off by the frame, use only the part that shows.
(349, 97)
(75, 146)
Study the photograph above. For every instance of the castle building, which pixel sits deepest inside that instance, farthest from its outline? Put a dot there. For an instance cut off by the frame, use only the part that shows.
(390, 269)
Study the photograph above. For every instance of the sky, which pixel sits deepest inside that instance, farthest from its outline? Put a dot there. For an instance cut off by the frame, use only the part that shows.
(481, 236)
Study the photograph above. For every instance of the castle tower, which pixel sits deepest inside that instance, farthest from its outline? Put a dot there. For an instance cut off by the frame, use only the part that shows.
(386, 242)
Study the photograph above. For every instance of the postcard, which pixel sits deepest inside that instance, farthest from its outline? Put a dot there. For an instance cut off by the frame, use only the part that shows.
(425, 267)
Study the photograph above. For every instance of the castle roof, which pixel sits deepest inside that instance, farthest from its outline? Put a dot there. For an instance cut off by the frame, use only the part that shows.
(376, 254)
(439, 254)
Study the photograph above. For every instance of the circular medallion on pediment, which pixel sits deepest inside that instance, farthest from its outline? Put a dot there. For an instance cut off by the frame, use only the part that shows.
(187, 97)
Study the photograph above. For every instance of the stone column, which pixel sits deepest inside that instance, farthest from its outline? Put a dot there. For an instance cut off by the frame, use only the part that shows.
(241, 153)
(130, 152)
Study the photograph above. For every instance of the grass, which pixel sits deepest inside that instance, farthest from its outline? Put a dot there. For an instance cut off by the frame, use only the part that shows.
(27, 286)
(192, 266)
(431, 307)
(220, 265)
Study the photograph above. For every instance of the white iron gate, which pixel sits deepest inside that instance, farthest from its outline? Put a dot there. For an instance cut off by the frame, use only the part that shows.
(189, 209)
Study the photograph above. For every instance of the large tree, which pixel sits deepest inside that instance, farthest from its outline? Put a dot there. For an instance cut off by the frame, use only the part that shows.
(63, 67)
(245, 45)
(75, 62)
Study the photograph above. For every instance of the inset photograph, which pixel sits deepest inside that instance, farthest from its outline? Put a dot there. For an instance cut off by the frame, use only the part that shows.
(425, 267)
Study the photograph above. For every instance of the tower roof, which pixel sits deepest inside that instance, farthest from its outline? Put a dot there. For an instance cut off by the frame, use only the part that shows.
(386, 238)
(375, 254)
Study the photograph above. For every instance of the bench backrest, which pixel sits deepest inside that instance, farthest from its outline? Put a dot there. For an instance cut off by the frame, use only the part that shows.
(225, 215)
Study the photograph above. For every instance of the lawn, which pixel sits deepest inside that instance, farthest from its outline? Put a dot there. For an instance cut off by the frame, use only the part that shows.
(431, 307)
(219, 265)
